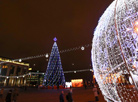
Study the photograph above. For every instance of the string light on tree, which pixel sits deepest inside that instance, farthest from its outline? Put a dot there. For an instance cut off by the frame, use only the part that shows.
(54, 74)
(114, 52)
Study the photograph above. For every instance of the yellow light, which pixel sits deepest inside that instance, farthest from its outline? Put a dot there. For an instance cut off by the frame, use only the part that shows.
(134, 66)
(136, 26)
(136, 23)
(77, 82)
(94, 76)
(10, 61)
(136, 29)
(4, 66)
(30, 69)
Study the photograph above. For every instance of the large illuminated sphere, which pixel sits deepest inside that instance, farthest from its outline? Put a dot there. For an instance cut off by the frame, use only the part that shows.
(115, 51)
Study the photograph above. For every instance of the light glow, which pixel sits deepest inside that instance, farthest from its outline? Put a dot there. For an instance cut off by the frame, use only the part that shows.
(114, 51)
(77, 82)
(54, 74)
(68, 84)
(11, 61)
(136, 29)
(47, 55)
(136, 23)
(20, 60)
(30, 69)
(82, 48)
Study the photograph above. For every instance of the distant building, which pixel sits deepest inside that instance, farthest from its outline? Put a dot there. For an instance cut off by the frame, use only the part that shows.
(35, 79)
(11, 72)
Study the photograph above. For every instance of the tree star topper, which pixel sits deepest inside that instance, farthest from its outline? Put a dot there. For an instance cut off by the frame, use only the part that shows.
(55, 39)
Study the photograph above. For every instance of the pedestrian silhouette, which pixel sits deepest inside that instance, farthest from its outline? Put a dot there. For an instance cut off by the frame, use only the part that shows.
(85, 86)
(95, 90)
(8, 97)
(1, 94)
(15, 94)
(69, 96)
(61, 97)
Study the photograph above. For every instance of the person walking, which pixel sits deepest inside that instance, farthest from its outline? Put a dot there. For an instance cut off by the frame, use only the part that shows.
(61, 97)
(1, 94)
(69, 96)
(8, 97)
(85, 86)
(95, 90)
(15, 95)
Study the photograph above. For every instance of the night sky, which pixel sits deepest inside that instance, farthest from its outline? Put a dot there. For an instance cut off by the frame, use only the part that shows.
(27, 28)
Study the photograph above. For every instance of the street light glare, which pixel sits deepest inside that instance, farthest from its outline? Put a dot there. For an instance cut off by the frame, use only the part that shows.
(47, 55)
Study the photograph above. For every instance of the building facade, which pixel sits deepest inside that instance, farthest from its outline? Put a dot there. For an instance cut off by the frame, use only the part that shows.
(12, 73)
(35, 79)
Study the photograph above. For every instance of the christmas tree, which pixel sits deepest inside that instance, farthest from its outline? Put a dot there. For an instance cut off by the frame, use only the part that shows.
(54, 74)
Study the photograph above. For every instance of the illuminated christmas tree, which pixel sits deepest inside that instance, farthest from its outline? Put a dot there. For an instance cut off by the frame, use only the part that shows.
(54, 74)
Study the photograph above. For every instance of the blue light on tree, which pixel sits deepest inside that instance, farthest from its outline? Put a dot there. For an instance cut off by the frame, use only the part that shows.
(115, 51)
(54, 74)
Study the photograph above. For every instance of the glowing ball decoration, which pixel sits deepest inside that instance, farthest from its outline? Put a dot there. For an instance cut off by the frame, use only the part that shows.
(115, 52)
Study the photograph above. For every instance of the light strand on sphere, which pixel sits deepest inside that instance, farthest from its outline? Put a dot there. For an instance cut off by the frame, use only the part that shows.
(37, 73)
(44, 55)
(114, 52)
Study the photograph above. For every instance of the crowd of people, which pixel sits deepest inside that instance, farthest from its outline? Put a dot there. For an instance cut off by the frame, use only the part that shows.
(10, 97)
(69, 97)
